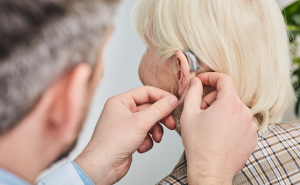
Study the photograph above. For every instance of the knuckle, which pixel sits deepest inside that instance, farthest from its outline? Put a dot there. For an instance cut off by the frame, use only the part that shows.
(110, 100)
(227, 78)
(143, 88)
(233, 104)
(235, 101)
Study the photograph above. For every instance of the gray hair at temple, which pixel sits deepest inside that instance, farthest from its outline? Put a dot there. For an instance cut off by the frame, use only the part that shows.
(39, 41)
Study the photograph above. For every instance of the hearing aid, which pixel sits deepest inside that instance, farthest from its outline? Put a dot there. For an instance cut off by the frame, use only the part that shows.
(193, 63)
(192, 59)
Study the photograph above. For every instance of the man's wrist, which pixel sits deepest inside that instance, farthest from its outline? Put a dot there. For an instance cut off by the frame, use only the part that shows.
(196, 179)
(206, 175)
(210, 181)
(96, 166)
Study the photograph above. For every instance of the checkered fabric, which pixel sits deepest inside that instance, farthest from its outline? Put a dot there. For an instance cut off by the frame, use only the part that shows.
(276, 159)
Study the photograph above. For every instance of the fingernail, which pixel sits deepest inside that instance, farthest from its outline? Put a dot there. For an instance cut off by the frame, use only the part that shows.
(172, 100)
(142, 148)
(193, 81)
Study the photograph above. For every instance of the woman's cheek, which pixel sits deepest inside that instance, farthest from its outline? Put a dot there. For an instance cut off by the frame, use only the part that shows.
(144, 72)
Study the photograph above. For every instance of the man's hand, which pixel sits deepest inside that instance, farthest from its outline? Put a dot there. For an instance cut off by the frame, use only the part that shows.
(123, 128)
(218, 133)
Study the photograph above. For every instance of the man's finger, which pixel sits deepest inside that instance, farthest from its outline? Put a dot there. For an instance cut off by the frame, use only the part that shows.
(169, 122)
(141, 95)
(193, 97)
(208, 100)
(156, 112)
(157, 132)
(222, 82)
(143, 106)
(146, 145)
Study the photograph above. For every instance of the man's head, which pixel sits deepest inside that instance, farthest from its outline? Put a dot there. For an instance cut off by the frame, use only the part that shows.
(50, 66)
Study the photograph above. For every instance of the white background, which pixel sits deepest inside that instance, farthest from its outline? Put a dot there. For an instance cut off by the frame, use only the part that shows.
(122, 57)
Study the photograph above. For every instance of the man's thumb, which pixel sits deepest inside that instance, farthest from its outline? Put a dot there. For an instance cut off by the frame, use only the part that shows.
(158, 111)
(193, 98)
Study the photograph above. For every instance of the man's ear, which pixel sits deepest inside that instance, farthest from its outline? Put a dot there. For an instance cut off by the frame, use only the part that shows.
(67, 106)
(182, 65)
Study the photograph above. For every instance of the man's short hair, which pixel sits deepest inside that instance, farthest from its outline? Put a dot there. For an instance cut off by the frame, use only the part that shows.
(39, 41)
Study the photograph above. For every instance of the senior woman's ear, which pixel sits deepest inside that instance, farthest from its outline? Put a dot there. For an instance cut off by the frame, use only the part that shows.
(183, 67)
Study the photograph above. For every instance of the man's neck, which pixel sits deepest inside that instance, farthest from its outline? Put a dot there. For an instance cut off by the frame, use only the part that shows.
(23, 154)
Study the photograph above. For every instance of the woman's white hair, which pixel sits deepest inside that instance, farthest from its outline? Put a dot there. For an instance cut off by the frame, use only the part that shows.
(246, 39)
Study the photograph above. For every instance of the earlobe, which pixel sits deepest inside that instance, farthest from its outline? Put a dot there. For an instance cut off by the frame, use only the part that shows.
(182, 65)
